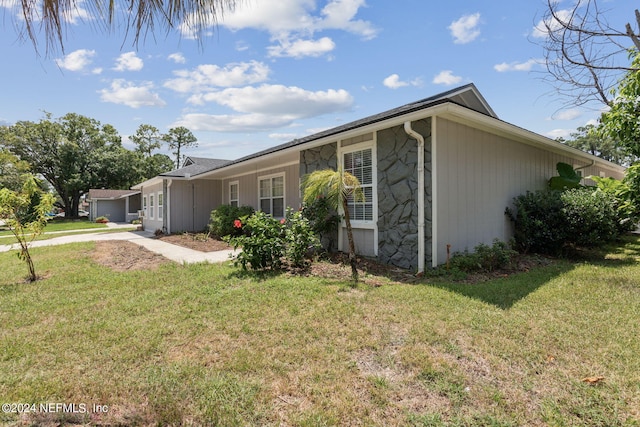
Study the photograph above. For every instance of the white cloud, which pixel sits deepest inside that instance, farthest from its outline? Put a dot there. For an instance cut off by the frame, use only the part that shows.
(542, 28)
(177, 57)
(570, 114)
(394, 82)
(208, 76)
(281, 100)
(128, 61)
(292, 23)
(298, 16)
(126, 93)
(241, 46)
(465, 29)
(78, 14)
(77, 60)
(560, 133)
(516, 66)
(266, 107)
(301, 48)
(340, 14)
(447, 78)
(245, 123)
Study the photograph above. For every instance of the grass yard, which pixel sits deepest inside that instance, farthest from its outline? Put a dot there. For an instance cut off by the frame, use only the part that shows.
(207, 344)
(59, 228)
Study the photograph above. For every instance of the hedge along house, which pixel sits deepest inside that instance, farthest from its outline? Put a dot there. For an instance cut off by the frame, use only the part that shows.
(437, 172)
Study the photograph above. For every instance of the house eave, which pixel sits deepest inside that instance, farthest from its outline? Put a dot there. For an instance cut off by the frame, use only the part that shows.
(468, 117)
(447, 110)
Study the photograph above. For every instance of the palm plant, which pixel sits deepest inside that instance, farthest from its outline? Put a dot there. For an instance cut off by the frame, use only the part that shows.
(139, 16)
(338, 187)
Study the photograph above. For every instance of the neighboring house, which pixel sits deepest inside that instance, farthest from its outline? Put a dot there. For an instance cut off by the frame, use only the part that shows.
(116, 205)
(436, 172)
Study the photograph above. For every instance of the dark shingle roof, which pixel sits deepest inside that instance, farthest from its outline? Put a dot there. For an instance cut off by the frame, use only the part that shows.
(467, 96)
(196, 166)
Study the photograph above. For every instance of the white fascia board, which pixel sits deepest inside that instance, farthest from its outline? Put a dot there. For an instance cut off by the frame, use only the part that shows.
(447, 110)
(153, 181)
(472, 118)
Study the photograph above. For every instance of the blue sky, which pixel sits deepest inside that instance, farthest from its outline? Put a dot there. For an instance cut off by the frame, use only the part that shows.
(275, 70)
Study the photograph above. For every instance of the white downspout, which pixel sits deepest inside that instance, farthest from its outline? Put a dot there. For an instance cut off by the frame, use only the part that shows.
(167, 205)
(421, 249)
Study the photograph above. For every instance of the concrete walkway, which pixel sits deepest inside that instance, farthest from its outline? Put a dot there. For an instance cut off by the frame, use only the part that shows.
(143, 238)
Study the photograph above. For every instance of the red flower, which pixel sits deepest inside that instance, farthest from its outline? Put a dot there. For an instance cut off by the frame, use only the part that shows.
(282, 221)
(237, 223)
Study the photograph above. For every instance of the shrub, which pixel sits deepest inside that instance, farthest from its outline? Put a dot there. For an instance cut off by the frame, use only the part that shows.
(222, 219)
(262, 246)
(323, 219)
(591, 216)
(300, 238)
(547, 221)
(484, 257)
(268, 240)
(539, 222)
(102, 219)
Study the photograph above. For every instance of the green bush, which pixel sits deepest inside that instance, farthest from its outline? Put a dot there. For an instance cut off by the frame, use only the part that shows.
(262, 245)
(484, 257)
(539, 222)
(300, 238)
(222, 220)
(324, 220)
(547, 221)
(267, 241)
(591, 216)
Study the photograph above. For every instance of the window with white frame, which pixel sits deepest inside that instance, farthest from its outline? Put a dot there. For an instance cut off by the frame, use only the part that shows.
(360, 164)
(144, 207)
(151, 206)
(233, 193)
(271, 194)
(160, 205)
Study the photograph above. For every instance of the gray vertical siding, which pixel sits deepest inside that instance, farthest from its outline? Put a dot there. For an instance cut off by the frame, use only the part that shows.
(248, 186)
(155, 223)
(191, 203)
(112, 209)
(478, 175)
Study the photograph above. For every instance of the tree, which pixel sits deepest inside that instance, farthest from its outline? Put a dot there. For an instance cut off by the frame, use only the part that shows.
(590, 139)
(12, 171)
(622, 121)
(147, 138)
(585, 56)
(67, 152)
(155, 165)
(25, 214)
(138, 18)
(178, 139)
(339, 188)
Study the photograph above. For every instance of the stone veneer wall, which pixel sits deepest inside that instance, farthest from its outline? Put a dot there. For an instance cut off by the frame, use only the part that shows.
(397, 198)
(323, 157)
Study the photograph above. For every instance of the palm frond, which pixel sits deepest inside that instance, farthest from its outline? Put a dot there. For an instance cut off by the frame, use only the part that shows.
(137, 16)
(335, 185)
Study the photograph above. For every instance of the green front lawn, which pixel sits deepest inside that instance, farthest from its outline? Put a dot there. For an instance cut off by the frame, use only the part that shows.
(207, 344)
(63, 225)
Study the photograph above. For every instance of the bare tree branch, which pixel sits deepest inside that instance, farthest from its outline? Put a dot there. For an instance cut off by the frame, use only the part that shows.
(585, 56)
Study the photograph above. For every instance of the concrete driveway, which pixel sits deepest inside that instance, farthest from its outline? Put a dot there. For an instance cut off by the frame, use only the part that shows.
(143, 238)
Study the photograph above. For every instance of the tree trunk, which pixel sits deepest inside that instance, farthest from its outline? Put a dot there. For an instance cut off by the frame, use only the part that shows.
(352, 248)
(75, 206)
